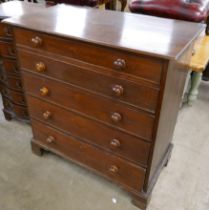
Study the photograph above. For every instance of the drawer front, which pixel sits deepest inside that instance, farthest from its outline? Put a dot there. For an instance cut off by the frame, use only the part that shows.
(116, 169)
(12, 82)
(129, 63)
(18, 110)
(88, 130)
(8, 105)
(109, 111)
(15, 97)
(135, 94)
(7, 50)
(5, 31)
(10, 67)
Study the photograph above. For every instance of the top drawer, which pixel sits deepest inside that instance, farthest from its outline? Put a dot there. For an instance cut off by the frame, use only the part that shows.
(129, 63)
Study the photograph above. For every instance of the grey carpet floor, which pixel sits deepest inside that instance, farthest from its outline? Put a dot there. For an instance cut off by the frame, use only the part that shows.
(28, 182)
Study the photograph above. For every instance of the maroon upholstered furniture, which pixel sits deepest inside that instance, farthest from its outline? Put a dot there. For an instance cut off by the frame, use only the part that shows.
(189, 10)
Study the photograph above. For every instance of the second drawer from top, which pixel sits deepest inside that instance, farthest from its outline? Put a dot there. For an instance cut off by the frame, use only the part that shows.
(138, 94)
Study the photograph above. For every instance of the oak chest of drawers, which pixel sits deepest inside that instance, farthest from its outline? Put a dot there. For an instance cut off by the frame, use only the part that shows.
(103, 89)
(10, 81)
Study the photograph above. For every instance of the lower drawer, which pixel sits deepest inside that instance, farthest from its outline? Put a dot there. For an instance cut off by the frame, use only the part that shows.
(91, 131)
(7, 50)
(101, 108)
(21, 112)
(10, 66)
(17, 110)
(110, 166)
(14, 96)
(12, 82)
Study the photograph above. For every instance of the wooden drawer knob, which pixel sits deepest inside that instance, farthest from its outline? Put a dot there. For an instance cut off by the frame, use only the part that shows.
(116, 117)
(11, 51)
(18, 84)
(4, 92)
(118, 90)
(15, 69)
(36, 41)
(44, 91)
(40, 67)
(3, 78)
(22, 100)
(113, 169)
(7, 31)
(119, 64)
(7, 104)
(47, 115)
(115, 143)
(50, 139)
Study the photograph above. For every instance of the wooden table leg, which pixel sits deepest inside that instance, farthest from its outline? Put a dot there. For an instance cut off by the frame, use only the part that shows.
(206, 74)
(207, 27)
(111, 5)
(123, 4)
(196, 78)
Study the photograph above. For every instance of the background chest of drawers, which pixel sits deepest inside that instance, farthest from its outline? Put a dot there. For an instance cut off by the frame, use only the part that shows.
(109, 103)
(11, 86)
(10, 82)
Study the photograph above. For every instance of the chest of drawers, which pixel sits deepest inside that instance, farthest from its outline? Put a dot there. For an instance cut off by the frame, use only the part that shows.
(105, 94)
(10, 81)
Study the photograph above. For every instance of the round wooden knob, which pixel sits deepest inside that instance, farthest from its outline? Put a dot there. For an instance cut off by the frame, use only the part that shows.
(118, 90)
(11, 51)
(7, 31)
(7, 104)
(22, 100)
(44, 91)
(47, 115)
(40, 67)
(36, 41)
(116, 117)
(113, 169)
(115, 143)
(18, 84)
(50, 139)
(119, 64)
(4, 92)
(15, 69)
(3, 78)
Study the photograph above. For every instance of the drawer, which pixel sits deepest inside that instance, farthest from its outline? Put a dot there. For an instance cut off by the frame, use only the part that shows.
(7, 103)
(12, 82)
(10, 66)
(14, 96)
(5, 31)
(7, 50)
(110, 166)
(89, 130)
(146, 67)
(136, 94)
(18, 110)
(102, 108)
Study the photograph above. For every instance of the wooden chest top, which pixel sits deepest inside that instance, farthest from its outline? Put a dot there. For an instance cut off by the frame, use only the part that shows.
(160, 37)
